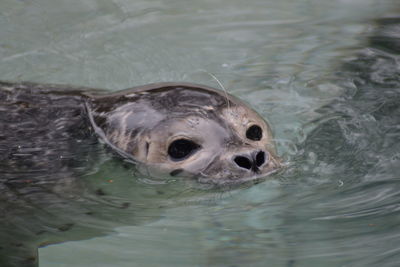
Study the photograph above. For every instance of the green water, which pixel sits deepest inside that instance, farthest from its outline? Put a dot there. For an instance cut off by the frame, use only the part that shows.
(308, 66)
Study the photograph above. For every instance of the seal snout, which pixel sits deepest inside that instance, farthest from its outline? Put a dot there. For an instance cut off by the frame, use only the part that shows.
(251, 161)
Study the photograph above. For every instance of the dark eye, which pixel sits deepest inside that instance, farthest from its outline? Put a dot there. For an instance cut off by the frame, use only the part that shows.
(181, 148)
(254, 133)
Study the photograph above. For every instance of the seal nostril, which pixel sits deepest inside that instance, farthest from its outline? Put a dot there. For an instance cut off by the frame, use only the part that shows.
(260, 158)
(243, 162)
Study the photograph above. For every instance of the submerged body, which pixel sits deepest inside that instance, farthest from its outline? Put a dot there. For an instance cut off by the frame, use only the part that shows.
(51, 135)
(169, 129)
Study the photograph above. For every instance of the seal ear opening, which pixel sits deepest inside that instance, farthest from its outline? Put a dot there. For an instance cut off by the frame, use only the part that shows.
(147, 148)
(176, 172)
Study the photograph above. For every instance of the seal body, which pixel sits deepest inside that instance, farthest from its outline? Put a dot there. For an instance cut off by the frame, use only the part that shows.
(165, 129)
(43, 133)
(51, 134)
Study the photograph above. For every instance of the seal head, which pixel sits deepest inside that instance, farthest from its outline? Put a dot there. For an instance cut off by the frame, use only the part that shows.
(186, 130)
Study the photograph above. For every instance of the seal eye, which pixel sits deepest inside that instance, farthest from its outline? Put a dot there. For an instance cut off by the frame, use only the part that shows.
(254, 133)
(181, 148)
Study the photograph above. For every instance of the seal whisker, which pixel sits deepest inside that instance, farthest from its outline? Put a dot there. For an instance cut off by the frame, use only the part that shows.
(220, 85)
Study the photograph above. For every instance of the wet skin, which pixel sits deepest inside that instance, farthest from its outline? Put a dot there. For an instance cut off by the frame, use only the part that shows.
(50, 135)
(168, 128)
(187, 130)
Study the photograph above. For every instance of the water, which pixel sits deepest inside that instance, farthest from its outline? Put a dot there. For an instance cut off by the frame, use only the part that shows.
(324, 73)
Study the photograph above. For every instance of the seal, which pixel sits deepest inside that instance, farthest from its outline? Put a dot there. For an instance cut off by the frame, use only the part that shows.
(176, 129)
(52, 135)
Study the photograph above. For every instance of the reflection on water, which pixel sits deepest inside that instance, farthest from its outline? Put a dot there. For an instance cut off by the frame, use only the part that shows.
(325, 73)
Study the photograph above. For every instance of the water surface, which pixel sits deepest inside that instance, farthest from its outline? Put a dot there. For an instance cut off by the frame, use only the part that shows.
(324, 73)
